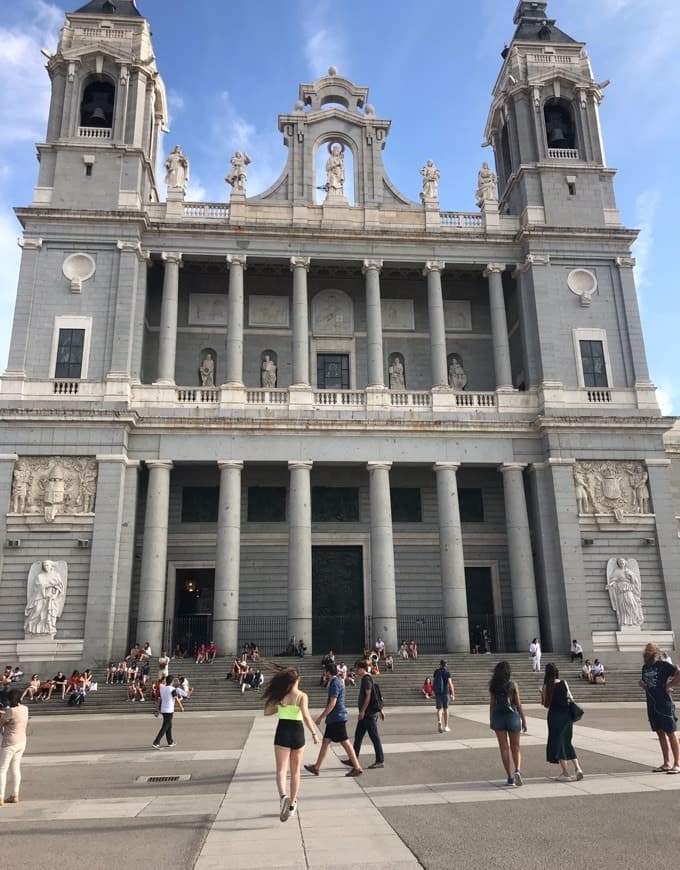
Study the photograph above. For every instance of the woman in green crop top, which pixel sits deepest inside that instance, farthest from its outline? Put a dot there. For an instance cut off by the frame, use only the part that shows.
(283, 696)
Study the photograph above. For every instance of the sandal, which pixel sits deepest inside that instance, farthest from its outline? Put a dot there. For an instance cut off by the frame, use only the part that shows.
(675, 769)
(662, 768)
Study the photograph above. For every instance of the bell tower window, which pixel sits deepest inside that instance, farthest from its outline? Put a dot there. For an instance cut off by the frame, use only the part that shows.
(96, 107)
(559, 129)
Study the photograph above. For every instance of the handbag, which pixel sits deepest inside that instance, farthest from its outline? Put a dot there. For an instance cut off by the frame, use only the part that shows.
(575, 712)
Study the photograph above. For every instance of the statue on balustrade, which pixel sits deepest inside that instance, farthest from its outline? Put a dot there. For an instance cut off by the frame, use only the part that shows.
(431, 176)
(177, 166)
(397, 378)
(45, 597)
(207, 371)
(268, 371)
(487, 186)
(335, 170)
(457, 376)
(238, 176)
(624, 586)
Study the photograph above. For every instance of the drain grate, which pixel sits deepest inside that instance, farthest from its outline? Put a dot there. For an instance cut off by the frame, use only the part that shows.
(176, 777)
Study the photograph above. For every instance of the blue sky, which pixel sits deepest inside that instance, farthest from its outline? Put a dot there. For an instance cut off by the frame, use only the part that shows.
(231, 68)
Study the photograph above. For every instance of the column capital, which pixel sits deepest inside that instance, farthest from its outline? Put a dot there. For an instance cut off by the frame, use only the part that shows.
(369, 265)
(172, 257)
(223, 464)
(512, 466)
(446, 466)
(236, 260)
(493, 268)
(159, 463)
(377, 466)
(30, 244)
(300, 263)
(300, 463)
(134, 248)
(434, 266)
(626, 262)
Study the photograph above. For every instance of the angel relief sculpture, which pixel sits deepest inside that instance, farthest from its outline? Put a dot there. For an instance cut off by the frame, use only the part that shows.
(45, 597)
(624, 586)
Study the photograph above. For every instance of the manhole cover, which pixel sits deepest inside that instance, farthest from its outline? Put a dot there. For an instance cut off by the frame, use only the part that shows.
(176, 777)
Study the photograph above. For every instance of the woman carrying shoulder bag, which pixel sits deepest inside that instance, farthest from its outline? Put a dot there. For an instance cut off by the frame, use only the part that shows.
(555, 696)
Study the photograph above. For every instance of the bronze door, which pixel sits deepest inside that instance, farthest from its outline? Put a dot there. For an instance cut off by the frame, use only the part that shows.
(337, 600)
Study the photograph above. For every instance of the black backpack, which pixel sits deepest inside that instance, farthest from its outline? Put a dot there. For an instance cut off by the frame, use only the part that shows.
(377, 702)
(76, 699)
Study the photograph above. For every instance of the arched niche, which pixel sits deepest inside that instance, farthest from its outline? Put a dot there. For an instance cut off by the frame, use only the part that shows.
(269, 369)
(207, 367)
(97, 103)
(332, 314)
(560, 129)
(396, 371)
(456, 372)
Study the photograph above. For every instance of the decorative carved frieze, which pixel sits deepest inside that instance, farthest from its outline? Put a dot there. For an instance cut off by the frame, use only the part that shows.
(615, 488)
(54, 486)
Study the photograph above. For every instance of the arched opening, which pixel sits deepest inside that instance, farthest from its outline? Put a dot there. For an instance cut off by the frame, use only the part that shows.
(96, 106)
(506, 157)
(559, 125)
(334, 173)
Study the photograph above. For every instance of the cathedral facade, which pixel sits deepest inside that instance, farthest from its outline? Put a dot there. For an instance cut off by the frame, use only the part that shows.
(334, 416)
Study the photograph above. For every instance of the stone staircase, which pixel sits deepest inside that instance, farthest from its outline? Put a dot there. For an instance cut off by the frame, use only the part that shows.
(402, 687)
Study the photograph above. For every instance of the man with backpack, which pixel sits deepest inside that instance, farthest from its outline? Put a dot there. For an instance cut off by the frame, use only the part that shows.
(370, 710)
(444, 691)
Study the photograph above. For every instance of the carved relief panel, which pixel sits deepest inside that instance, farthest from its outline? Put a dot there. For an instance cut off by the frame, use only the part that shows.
(616, 488)
(54, 486)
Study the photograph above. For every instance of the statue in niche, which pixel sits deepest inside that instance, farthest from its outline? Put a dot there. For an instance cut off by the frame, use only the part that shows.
(207, 370)
(20, 489)
(335, 170)
(268, 370)
(457, 375)
(611, 487)
(45, 597)
(431, 176)
(238, 176)
(487, 186)
(624, 586)
(177, 166)
(397, 377)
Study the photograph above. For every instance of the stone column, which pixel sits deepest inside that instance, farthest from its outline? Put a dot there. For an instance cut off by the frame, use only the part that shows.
(300, 267)
(522, 579)
(150, 616)
(499, 326)
(383, 586)
(131, 261)
(234, 364)
(228, 559)
(454, 591)
(374, 344)
(167, 340)
(435, 306)
(300, 553)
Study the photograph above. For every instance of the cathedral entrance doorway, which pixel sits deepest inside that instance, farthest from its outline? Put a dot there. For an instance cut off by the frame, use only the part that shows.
(192, 622)
(337, 599)
(485, 610)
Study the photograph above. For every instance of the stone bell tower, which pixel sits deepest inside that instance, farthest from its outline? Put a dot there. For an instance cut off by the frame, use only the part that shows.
(107, 110)
(544, 128)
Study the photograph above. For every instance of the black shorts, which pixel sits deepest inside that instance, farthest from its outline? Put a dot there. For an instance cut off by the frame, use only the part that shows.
(662, 716)
(290, 734)
(336, 732)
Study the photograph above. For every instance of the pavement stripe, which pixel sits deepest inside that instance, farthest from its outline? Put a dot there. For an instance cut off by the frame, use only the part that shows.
(138, 756)
(113, 808)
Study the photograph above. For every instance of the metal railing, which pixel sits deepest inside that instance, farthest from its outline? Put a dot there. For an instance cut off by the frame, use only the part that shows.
(270, 633)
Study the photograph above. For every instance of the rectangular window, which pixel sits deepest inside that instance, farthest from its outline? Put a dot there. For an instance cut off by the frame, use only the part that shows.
(335, 504)
(593, 362)
(200, 504)
(406, 505)
(70, 346)
(266, 504)
(332, 371)
(471, 504)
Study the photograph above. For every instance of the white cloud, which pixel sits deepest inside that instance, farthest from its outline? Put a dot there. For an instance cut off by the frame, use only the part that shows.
(324, 44)
(646, 208)
(175, 105)
(666, 396)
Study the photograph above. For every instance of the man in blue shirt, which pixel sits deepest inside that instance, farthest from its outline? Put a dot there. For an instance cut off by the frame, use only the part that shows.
(658, 678)
(336, 716)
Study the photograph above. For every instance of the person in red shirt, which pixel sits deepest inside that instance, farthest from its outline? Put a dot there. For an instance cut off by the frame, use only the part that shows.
(428, 688)
(201, 653)
(211, 652)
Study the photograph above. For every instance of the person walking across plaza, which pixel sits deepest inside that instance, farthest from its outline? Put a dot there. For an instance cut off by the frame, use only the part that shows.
(167, 696)
(507, 720)
(657, 679)
(13, 722)
(282, 695)
(369, 713)
(336, 716)
(444, 691)
(535, 653)
(555, 697)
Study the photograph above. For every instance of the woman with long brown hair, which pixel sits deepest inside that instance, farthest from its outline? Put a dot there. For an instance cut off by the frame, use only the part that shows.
(555, 697)
(283, 696)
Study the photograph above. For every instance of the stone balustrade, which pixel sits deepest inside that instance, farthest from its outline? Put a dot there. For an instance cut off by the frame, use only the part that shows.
(207, 210)
(95, 132)
(462, 220)
(563, 154)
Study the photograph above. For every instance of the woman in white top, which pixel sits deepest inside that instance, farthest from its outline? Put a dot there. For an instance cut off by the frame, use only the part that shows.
(13, 721)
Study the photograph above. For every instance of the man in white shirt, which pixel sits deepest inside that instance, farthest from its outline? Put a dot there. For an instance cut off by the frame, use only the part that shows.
(166, 707)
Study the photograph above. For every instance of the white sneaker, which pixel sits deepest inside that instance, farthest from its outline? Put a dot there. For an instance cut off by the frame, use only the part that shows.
(446, 728)
(293, 811)
(440, 728)
(284, 808)
(563, 777)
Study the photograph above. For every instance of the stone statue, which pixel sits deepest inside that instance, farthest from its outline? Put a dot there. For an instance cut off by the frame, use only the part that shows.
(177, 166)
(238, 177)
(54, 492)
(268, 371)
(639, 482)
(45, 597)
(22, 477)
(335, 170)
(625, 591)
(582, 497)
(207, 371)
(88, 490)
(457, 376)
(431, 176)
(487, 186)
(612, 487)
(396, 373)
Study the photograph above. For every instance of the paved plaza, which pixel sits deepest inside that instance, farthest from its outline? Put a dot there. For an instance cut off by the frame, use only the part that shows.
(439, 802)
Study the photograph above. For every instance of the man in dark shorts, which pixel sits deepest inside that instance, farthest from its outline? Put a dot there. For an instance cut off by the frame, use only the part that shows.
(336, 716)
(657, 679)
(443, 692)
